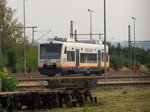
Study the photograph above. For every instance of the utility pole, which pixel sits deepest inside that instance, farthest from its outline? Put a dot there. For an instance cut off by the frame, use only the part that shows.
(129, 43)
(71, 29)
(1, 53)
(90, 22)
(75, 35)
(32, 32)
(100, 36)
(25, 58)
(105, 54)
(129, 36)
(134, 43)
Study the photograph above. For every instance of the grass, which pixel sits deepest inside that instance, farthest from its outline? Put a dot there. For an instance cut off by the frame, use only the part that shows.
(124, 100)
(143, 68)
(125, 69)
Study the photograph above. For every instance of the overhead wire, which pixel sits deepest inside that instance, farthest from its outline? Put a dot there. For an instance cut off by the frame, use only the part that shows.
(143, 33)
(42, 36)
(85, 26)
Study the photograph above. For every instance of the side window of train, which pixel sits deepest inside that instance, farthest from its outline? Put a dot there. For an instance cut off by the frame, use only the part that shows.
(70, 55)
(88, 58)
(65, 51)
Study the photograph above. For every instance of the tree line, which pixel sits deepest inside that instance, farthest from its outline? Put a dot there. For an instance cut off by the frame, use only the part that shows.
(124, 57)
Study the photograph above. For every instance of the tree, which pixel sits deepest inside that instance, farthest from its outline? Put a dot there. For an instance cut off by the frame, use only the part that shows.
(119, 49)
(10, 33)
(116, 62)
(12, 60)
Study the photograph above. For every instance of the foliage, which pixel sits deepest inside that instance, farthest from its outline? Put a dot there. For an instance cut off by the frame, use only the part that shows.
(12, 60)
(148, 65)
(11, 36)
(116, 62)
(32, 57)
(123, 56)
(8, 83)
(13, 42)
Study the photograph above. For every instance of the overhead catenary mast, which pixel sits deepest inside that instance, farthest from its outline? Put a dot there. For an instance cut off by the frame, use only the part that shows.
(129, 43)
(105, 55)
(1, 48)
(71, 29)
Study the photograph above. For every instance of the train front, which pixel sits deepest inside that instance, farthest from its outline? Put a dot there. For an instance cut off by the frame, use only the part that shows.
(49, 58)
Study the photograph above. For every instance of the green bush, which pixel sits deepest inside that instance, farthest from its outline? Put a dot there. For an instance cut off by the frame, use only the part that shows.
(8, 83)
(32, 58)
(12, 60)
(116, 62)
(127, 62)
(19, 67)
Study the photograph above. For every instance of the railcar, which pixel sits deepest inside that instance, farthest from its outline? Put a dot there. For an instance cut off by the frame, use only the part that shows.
(60, 56)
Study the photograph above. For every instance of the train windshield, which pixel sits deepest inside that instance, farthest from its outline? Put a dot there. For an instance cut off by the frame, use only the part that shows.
(50, 51)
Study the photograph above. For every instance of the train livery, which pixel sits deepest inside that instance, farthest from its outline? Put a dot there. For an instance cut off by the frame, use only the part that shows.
(70, 56)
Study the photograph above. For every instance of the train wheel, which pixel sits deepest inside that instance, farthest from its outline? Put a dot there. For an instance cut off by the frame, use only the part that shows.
(8, 102)
(87, 73)
(40, 103)
(17, 104)
(1, 108)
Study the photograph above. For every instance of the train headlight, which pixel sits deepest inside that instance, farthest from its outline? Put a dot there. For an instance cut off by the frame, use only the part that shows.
(45, 66)
(45, 83)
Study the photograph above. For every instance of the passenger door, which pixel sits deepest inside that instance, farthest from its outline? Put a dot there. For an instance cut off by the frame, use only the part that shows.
(99, 58)
(77, 57)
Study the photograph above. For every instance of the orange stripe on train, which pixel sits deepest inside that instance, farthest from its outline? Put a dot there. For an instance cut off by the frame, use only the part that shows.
(76, 66)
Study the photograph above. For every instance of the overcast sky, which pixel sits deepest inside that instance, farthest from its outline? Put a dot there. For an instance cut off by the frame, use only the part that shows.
(55, 15)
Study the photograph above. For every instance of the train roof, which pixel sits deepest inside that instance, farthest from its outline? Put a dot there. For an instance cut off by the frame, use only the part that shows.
(71, 41)
(75, 43)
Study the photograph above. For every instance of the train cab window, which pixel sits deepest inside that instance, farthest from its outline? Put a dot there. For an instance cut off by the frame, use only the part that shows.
(88, 58)
(70, 55)
(50, 51)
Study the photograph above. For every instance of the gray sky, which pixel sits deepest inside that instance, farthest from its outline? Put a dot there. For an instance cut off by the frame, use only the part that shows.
(55, 15)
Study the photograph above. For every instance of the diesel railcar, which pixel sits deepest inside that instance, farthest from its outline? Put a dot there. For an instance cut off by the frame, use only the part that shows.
(68, 55)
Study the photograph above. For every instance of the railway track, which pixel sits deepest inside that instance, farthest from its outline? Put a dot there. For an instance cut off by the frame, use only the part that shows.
(41, 77)
(80, 81)
(35, 82)
(120, 84)
(30, 86)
